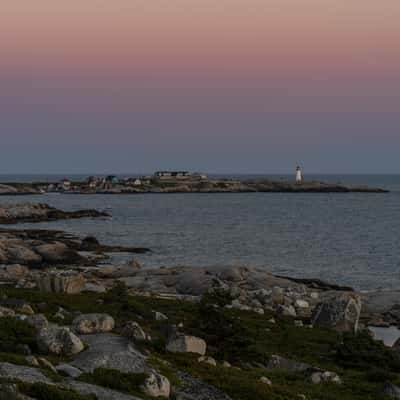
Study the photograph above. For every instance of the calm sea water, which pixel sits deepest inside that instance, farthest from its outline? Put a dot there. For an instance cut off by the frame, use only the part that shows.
(351, 239)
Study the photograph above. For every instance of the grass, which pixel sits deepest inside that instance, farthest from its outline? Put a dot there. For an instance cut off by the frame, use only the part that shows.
(41, 391)
(126, 383)
(14, 333)
(238, 337)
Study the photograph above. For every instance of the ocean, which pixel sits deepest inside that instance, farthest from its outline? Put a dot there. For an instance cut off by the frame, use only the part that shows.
(345, 238)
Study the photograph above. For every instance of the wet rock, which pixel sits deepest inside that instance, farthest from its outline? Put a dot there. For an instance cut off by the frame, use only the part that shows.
(186, 344)
(59, 341)
(340, 313)
(93, 323)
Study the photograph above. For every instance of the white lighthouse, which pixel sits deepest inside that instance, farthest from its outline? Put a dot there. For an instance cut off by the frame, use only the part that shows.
(299, 175)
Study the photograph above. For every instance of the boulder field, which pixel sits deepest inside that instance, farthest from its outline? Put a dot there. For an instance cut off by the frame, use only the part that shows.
(74, 328)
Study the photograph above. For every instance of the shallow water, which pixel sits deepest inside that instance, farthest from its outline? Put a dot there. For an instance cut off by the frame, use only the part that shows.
(351, 239)
(388, 336)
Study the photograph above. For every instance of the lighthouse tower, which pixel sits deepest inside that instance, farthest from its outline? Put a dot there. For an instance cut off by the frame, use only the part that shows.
(299, 176)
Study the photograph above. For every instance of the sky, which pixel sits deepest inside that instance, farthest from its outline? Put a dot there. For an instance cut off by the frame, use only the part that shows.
(227, 86)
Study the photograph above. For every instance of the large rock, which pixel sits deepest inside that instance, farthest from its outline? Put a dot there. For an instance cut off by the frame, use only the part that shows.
(100, 392)
(93, 323)
(156, 385)
(186, 344)
(195, 389)
(19, 254)
(318, 377)
(12, 272)
(69, 370)
(38, 321)
(391, 391)
(17, 305)
(59, 341)
(281, 363)
(21, 373)
(61, 282)
(6, 312)
(56, 252)
(132, 330)
(340, 313)
(111, 352)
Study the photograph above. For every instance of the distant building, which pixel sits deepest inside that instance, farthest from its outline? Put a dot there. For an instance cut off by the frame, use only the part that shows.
(172, 174)
(299, 175)
(93, 182)
(137, 182)
(66, 184)
(112, 179)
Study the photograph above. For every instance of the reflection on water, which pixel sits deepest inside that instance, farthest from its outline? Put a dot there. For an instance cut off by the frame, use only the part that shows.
(389, 335)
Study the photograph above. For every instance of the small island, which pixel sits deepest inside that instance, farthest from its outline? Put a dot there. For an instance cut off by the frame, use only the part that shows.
(181, 182)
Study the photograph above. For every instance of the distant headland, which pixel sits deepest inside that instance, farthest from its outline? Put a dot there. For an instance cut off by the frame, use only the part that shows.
(181, 182)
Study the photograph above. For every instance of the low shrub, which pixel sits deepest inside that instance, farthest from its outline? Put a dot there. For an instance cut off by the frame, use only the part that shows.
(128, 383)
(41, 391)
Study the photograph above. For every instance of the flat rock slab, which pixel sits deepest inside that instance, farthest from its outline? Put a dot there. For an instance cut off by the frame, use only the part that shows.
(112, 352)
(195, 389)
(196, 281)
(100, 392)
(22, 373)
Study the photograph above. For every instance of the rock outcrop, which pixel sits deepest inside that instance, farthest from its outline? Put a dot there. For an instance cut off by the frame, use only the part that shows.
(181, 343)
(59, 341)
(69, 282)
(35, 212)
(93, 323)
(341, 313)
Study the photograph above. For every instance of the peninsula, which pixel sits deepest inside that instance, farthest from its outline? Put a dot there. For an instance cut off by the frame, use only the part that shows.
(179, 182)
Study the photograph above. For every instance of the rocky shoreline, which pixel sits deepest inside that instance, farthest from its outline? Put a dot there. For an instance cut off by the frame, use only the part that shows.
(187, 186)
(31, 212)
(74, 327)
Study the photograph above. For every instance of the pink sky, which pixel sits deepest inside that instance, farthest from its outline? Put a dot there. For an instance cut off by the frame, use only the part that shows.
(276, 72)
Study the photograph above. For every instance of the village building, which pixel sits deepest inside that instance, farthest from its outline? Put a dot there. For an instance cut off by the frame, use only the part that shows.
(65, 184)
(172, 174)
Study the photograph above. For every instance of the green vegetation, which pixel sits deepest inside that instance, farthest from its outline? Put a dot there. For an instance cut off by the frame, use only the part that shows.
(115, 380)
(41, 391)
(245, 339)
(14, 334)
